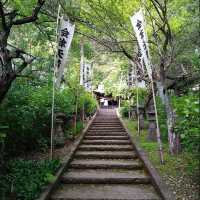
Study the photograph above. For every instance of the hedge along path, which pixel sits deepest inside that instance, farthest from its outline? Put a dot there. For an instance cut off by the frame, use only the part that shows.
(107, 165)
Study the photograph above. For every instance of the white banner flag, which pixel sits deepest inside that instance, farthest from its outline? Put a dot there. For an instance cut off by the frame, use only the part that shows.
(131, 76)
(87, 77)
(82, 67)
(137, 21)
(140, 60)
(66, 33)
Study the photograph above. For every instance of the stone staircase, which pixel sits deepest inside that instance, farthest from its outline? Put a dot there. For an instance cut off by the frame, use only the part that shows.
(105, 166)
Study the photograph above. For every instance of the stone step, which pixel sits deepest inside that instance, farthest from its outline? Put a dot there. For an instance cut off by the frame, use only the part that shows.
(105, 134)
(105, 147)
(105, 176)
(106, 137)
(109, 142)
(107, 131)
(105, 164)
(106, 154)
(107, 123)
(105, 192)
(106, 127)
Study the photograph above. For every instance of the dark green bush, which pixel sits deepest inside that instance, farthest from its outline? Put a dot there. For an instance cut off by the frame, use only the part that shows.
(187, 125)
(90, 104)
(25, 179)
(162, 119)
(27, 113)
(124, 111)
(187, 122)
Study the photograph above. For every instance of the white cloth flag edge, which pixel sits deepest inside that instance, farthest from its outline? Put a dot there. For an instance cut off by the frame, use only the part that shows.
(87, 81)
(134, 19)
(65, 49)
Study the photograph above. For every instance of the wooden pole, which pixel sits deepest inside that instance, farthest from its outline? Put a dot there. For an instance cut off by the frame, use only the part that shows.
(137, 99)
(129, 107)
(157, 125)
(53, 89)
(76, 111)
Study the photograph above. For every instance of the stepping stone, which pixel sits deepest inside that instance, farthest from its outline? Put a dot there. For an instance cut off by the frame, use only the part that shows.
(105, 176)
(105, 192)
(105, 164)
(105, 147)
(106, 154)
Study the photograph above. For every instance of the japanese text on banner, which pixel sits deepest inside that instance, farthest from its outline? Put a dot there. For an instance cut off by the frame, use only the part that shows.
(137, 21)
(66, 33)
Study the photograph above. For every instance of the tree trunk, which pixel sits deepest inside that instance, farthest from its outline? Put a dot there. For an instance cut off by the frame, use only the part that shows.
(6, 76)
(170, 117)
(6, 71)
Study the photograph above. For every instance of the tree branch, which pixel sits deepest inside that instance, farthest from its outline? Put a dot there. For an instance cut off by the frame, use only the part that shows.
(31, 18)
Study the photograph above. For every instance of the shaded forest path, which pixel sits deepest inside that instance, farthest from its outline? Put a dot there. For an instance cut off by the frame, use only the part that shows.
(105, 166)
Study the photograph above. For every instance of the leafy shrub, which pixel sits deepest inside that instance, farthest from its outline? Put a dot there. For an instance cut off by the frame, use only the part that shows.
(90, 104)
(187, 123)
(162, 118)
(25, 179)
(142, 93)
(124, 111)
(187, 120)
(27, 113)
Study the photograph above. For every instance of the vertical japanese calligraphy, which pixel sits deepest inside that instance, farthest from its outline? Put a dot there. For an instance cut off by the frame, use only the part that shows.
(137, 21)
(131, 76)
(87, 76)
(66, 33)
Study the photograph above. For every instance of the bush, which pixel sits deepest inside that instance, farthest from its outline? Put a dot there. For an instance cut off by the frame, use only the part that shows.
(27, 113)
(187, 122)
(162, 118)
(124, 111)
(90, 104)
(25, 179)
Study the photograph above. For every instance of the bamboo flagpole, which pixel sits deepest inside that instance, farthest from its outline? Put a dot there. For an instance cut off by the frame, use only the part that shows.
(157, 123)
(81, 73)
(64, 35)
(76, 112)
(137, 21)
(137, 98)
(54, 79)
(137, 95)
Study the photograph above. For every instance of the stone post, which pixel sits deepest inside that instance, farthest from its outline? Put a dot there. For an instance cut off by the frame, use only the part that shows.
(59, 138)
(141, 117)
(151, 125)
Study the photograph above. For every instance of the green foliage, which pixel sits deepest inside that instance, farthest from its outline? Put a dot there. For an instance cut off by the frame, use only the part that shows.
(26, 178)
(27, 113)
(186, 108)
(183, 163)
(142, 93)
(162, 117)
(90, 104)
(125, 107)
(187, 123)
(124, 111)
